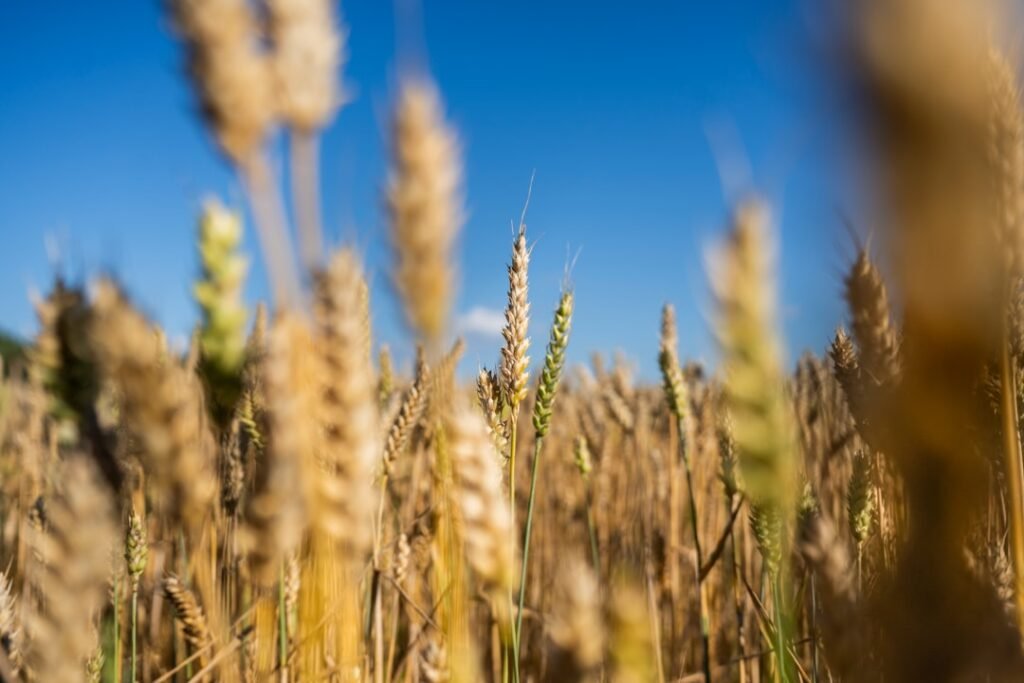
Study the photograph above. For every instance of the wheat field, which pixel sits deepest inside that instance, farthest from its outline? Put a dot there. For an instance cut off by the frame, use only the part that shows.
(280, 504)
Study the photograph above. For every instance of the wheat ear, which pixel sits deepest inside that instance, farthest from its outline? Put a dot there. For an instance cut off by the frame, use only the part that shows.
(69, 574)
(159, 406)
(348, 407)
(425, 207)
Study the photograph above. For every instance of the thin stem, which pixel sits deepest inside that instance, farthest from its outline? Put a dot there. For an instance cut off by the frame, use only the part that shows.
(513, 428)
(595, 557)
(272, 231)
(393, 639)
(117, 630)
(652, 615)
(1014, 475)
(375, 604)
(306, 196)
(526, 543)
(378, 637)
(860, 570)
(705, 626)
(782, 664)
(135, 616)
(738, 606)
(512, 650)
(814, 631)
(282, 620)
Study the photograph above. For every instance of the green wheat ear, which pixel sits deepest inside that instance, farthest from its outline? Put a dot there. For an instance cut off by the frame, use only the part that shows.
(136, 548)
(859, 504)
(752, 362)
(219, 294)
(767, 524)
(553, 362)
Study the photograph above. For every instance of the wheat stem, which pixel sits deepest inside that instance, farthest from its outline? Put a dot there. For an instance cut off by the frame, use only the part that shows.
(135, 617)
(117, 631)
(282, 620)
(537, 446)
(781, 658)
(1014, 474)
(513, 438)
(702, 613)
(306, 196)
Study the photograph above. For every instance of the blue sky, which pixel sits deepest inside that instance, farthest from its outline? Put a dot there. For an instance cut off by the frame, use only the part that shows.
(105, 164)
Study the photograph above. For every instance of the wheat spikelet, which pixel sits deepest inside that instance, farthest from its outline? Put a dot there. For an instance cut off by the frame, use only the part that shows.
(489, 396)
(403, 553)
(251, 408)
(292, 584)
(482, 509)
(413, 404)
(871, 323)
(69, 574)
(348, 407)
(514, 361)
(189, 613)
(158, 405)
(424, 202)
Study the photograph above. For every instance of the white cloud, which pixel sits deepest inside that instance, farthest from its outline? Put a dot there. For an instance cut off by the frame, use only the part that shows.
(485, 322)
